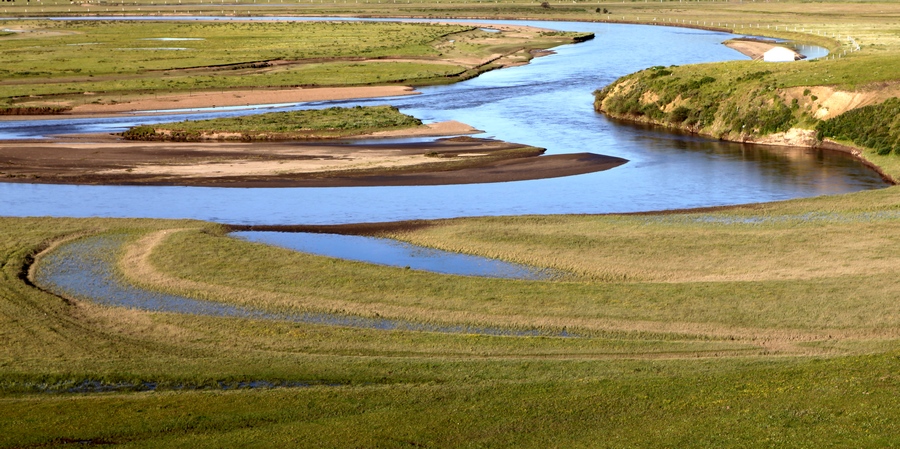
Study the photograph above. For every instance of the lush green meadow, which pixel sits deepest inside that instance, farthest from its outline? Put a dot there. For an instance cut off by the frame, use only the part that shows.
(771, 325)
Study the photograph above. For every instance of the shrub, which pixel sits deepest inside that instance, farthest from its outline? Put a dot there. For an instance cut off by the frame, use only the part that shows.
(876, 127)
(679, 114)
(142, 132)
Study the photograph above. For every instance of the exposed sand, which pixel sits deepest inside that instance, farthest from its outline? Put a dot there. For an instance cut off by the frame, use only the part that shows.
(105, 159)
(753, 49)
(448, 128)
(243, 98)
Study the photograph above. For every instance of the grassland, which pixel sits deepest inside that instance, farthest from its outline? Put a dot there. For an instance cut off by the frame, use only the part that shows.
(770, 324)
(67, 63)
(761, 326)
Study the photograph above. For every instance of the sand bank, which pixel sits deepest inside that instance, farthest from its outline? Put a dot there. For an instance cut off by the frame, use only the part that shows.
(242, 98)
(752, 48)
(107, 159)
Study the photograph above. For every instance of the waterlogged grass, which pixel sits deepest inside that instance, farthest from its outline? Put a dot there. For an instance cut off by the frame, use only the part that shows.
(314, 123)
(803, 403)
(736, 274)
(67, 48)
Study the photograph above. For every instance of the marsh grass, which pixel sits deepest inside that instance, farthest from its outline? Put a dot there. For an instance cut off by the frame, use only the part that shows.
(763, 359)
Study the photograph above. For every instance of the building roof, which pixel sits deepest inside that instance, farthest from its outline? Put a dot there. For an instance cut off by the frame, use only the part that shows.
(780, 54)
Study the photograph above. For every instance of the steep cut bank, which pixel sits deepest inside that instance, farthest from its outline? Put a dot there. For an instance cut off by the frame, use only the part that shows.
(742, 101)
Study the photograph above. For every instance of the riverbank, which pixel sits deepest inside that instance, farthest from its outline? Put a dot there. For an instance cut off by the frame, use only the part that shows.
(244, 97)
(120, 68)
(776, 104)
(753, 48)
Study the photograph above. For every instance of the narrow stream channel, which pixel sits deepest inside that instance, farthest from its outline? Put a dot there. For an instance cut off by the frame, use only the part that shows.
(394, 253)
(85, 269)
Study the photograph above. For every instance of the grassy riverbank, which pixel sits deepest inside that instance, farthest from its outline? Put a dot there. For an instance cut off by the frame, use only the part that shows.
(766, 323)
(776, 103)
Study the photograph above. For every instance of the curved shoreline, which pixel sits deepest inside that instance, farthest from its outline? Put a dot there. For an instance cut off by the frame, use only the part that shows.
(88, 257)
(798, 138)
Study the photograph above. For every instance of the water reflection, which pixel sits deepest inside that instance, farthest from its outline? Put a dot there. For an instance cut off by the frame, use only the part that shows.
(85, 269)
(394, 253)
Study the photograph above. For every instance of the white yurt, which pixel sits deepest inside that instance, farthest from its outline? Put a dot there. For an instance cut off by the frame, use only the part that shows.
(780, 54)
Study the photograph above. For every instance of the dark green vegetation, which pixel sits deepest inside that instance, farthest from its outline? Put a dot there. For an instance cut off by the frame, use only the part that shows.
(876, 127)
(733, 102)
(307, 124)
(726, 100)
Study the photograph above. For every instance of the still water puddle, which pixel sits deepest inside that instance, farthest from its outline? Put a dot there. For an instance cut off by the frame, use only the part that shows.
(394, 253)
(85, 269)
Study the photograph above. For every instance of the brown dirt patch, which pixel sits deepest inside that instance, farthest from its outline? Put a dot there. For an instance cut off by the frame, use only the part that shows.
(105, 159)
(243, 98)
(830, 102)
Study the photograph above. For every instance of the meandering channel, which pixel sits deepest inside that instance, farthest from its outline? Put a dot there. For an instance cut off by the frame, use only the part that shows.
(547, 103)
(85, 269)
(385, 251)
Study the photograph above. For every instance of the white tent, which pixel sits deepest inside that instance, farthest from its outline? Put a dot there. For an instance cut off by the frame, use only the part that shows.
(780, 54)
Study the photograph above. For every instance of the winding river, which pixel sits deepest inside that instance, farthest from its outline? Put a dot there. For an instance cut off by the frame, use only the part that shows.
(547, 103)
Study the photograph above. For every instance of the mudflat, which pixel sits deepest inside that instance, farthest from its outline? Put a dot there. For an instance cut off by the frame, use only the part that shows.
(107, 159)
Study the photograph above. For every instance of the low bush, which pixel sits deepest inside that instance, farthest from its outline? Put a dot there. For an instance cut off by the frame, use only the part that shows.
(142, 132)
(876, 127)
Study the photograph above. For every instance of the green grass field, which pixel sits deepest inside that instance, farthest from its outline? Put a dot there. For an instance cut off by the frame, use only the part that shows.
(69, 63)
(771, 325)
(796, 348)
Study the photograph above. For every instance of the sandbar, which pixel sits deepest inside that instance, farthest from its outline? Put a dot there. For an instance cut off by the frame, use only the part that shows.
(754, 49)
(108, 159)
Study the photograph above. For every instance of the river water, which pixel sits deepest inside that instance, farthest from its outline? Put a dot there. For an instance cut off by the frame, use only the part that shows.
(547, 103)
(390, 252)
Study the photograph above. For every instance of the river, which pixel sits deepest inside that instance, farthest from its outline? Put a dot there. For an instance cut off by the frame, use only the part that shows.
(547, 103)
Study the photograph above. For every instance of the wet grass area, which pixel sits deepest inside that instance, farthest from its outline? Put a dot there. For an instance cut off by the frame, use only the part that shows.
(85, 269)
(395, 253)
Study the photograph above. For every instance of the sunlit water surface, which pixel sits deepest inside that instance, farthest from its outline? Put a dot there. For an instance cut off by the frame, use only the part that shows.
(390, 252)
(547, 103)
